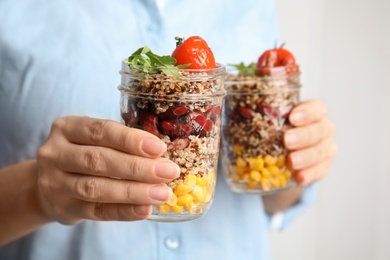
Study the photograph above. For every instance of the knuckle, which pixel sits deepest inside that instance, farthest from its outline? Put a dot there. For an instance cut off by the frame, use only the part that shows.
(135, 168)
(122, 212)
(99, 211)
(44, 153)
(93, 161)
(125, 138)
(309, 135)
(95, 130)
(130, 193)
(322, 152)
(87, 188)
(60, 123)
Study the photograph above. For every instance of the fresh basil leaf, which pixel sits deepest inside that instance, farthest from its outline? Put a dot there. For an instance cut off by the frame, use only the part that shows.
(245, 70)
(145, 61)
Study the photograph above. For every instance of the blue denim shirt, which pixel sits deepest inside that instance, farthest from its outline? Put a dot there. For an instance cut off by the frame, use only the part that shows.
(62, 58)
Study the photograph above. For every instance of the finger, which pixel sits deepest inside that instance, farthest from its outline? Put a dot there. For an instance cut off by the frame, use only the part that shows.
(307, 112)
(97, 132)
(120, 212)
(101, 161)
(305, 136)
(312, 174)
(308, 157)
(110, 211)
(109, 190)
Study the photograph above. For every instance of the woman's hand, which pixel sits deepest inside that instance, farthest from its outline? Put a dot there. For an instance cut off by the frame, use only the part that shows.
(101, 170)
(311, 142)
(312, 150)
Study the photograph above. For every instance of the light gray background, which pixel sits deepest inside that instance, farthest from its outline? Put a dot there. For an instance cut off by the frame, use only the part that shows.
(343, 47)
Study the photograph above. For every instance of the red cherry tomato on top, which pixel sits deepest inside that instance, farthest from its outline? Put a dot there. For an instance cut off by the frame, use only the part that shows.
(276, 61)
(194, 51)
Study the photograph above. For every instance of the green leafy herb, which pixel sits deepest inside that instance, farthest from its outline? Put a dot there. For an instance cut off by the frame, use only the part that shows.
(145, 61)
(245, 70)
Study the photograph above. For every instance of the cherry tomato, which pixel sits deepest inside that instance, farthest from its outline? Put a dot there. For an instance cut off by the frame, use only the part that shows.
(276, 61)
(194, 51)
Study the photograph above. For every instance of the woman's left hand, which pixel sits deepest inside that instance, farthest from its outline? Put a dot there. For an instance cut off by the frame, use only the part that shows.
(311, 142)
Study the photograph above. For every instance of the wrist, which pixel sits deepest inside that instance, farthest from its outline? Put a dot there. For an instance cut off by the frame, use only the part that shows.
(21, 210)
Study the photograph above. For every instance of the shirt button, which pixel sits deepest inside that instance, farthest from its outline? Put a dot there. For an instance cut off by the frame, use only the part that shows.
(172, 242)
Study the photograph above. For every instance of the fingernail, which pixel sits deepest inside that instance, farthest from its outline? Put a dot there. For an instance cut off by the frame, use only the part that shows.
(291, 140)
(296, 117)
(142, 209)
(160, 193)
(167, 170)
(153, 146)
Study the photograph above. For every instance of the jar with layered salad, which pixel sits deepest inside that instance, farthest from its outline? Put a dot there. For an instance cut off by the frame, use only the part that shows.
(184, 110)
(256, 110)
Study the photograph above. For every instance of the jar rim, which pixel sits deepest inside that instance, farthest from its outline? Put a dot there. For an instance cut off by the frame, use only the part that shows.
(271, 72)
(220, 69)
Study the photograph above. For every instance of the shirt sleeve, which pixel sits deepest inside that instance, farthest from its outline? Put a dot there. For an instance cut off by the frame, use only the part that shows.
(280, 221)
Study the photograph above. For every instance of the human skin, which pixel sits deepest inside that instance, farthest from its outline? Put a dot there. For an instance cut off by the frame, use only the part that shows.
(312, 148)
(102, 170)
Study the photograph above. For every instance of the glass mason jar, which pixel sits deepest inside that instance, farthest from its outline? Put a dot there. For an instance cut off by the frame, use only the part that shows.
(185, 112)
(255, 117)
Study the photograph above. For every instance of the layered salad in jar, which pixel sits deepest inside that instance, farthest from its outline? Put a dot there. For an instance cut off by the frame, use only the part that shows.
(259, 100)
(179, 99)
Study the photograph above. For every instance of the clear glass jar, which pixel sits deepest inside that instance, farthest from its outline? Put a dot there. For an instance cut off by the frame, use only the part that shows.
(185, 112)
(255, 118)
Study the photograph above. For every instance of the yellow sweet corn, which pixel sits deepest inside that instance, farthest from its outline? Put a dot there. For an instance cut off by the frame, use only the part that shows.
(240, 177)
(184, 199)
(182, 189)
(252, 184)
(209, 196)
(274, 182)
(190, 179)
(201, 181)
(281, 161)
(164, 209)
(256, 163)
(265, 184)
(210, 178)
(245, 177)
(173, 200)
(274, 170)
(269, 160)
(282, 180)
(199, 194)
(241, 171)
(190, 207)
(287, 174)
(255, 175)
(241, 163)
(265, 173)
(177, 209)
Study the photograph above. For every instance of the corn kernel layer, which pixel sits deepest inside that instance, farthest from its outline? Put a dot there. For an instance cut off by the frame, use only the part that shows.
(192, 195)
(266, 172)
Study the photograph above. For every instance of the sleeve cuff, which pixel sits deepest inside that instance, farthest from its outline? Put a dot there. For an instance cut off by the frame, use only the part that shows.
(280, 221)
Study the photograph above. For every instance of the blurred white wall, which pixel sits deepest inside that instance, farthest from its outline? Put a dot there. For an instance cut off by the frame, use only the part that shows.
(343, 47)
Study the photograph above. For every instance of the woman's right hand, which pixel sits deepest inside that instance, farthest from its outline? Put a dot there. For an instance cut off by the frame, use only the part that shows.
(101, 170)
